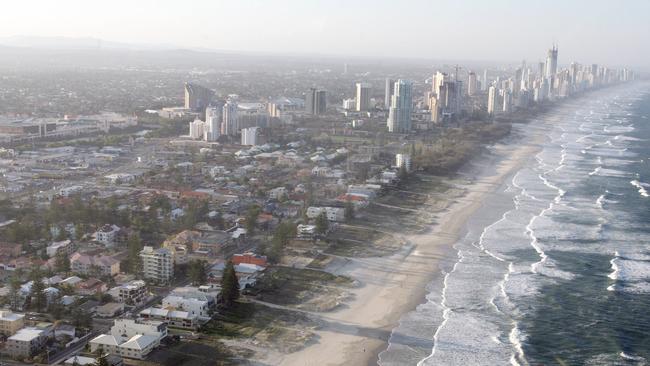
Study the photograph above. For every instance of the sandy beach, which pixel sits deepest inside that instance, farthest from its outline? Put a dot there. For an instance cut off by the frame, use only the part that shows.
(392, 286)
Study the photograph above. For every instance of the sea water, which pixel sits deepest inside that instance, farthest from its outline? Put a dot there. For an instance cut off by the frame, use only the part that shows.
(554, 269)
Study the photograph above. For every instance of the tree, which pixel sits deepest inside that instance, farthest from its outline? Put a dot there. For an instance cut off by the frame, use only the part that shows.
(134, 247)
(349, 210)
(14, 293)
(281, 237)
(62, 262)
(198, 271)
(251, 219)
(229, 286)
(38, 296)
(102, 360)
(322, 224)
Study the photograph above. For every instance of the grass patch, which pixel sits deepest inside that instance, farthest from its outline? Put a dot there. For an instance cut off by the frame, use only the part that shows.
(302, 288)
(280, 329)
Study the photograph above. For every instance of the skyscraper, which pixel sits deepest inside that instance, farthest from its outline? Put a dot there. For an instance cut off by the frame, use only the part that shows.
(197, 97)
(484, 83)
(551, 62)
(316, 101)
(363, 96)
(492, 100)
(388, 92)
(249, 136)
(229, 121)
(399, 115)
(213, 123)
(472, 83)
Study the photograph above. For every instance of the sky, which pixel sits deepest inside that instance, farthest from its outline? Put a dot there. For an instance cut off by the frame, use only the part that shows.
(588, 31)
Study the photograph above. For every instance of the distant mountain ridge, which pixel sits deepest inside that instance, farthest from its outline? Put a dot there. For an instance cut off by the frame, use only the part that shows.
(72, 43)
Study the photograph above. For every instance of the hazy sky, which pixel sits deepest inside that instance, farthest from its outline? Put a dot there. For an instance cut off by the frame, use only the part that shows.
(604, 31)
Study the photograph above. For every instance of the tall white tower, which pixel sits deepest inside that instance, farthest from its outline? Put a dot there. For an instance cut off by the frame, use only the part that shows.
(363, 96)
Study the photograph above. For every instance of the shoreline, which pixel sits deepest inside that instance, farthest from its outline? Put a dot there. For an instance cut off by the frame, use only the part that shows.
(395, 285)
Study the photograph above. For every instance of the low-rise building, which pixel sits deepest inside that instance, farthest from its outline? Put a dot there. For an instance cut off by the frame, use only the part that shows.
(336, 214)
(64, 246)
(94, 265)
(174, 318)
(108, 234)
(10, 322)
(26, 342)
(133, 293)
(110, 309)
(131, 338)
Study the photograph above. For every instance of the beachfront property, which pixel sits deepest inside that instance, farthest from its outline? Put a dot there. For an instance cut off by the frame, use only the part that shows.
(173, 318)
(197, 301)
(131, 338)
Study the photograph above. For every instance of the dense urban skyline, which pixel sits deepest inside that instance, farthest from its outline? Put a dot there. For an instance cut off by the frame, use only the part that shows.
(500, 30)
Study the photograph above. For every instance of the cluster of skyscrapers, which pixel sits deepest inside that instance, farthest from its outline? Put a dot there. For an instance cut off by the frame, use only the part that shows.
(548, 83)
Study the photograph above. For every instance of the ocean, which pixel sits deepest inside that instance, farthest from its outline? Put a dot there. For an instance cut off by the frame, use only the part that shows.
(554, 269)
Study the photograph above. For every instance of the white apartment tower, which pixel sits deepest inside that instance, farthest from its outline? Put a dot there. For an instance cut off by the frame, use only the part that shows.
(492, 100)
(157, 264)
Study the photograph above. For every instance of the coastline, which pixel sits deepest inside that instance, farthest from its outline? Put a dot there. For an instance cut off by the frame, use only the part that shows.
(395, 285)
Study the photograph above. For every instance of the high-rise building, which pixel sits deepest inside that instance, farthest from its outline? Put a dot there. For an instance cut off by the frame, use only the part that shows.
(249, 136)
(399, 115)
(229, 119)
(197, 97)
(472, 83)
(316, 101)
(213, 123)
(507, 100)
(492, 100)
(157, 264)
(436, 116)
(363, 96)
(551, 62)
(388, 92)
